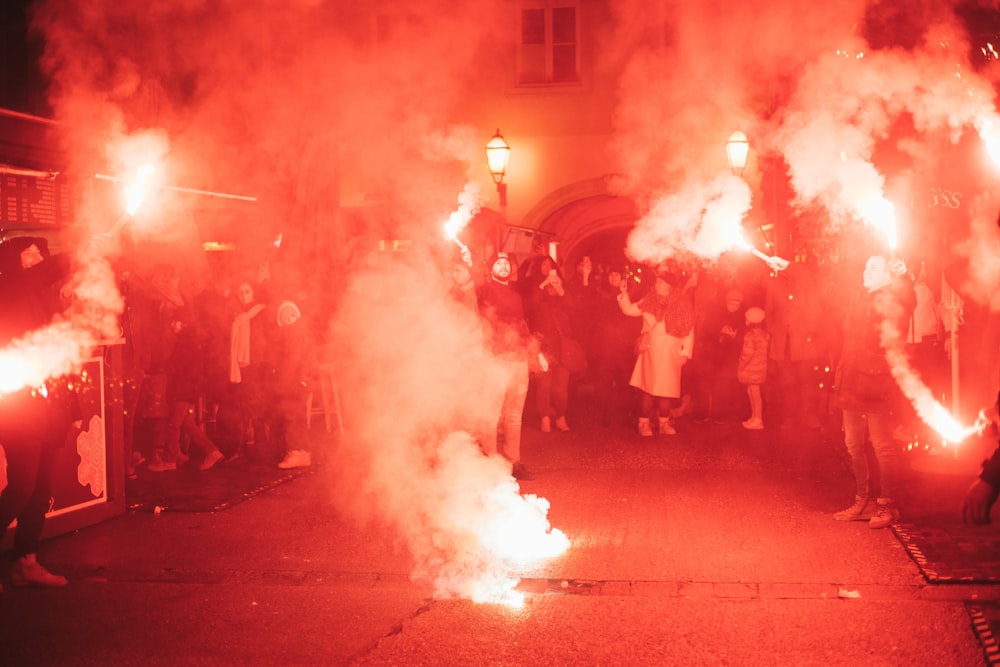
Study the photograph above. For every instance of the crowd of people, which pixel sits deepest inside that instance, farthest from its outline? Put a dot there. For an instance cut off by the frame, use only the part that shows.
(220, 375)
(643, 349)
(223, 374)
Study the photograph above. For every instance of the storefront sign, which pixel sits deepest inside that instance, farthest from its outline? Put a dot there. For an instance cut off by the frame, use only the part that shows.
(32, 201)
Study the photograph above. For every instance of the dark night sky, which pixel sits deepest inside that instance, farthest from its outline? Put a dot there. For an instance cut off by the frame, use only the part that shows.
(21, 83)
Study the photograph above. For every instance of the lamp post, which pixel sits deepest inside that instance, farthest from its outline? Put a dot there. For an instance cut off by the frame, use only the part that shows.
(497, 155)
(737, 148)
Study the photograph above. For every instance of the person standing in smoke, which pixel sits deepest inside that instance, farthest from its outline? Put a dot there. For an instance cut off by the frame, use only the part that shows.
(794, 312)
(507, 337)
(724, 345)
(549, 319)
(867, 392)
(156, 328)
(614, 340)
(665, 345)
(250, 369)
(290, 390)
(185, 385)
(34, 424)
(147, 323)
(751, 366)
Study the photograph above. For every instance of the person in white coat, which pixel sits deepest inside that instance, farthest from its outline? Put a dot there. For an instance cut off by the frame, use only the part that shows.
(665, 345)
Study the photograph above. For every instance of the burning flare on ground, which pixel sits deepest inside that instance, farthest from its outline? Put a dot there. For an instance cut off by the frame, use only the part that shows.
(485, 529)
(423, 382)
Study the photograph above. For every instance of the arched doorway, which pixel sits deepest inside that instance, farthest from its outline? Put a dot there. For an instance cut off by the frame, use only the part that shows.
(586, 220)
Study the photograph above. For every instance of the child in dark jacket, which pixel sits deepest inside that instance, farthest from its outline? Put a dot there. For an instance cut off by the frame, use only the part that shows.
(751, 368)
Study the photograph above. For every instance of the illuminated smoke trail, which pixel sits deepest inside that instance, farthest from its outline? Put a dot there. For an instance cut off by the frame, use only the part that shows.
(702, 219)
(848, 100)
(470, 201)
(845, 104)
(690, 77)
(93, 315)
(418, 378)
(930, 411)
(842, 104)
(63, 346)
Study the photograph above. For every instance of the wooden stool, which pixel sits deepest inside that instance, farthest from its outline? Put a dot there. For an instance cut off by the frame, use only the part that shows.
(329, 395)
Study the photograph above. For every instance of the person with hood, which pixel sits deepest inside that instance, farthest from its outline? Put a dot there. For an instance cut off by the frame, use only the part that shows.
(34, 423)
(866, 391)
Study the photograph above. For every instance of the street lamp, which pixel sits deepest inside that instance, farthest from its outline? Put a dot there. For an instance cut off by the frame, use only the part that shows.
(497, 155)
(736, 151)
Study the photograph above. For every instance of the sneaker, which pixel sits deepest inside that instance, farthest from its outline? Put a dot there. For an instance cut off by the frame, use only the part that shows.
(546, 425)
(645, 428)
(863, 509)
(561, 424)
(665, 427)
(296, 458)
(753, 424)
(886, 514)
(27, 571)
(211, 459)
(162, 466)
(520, 472)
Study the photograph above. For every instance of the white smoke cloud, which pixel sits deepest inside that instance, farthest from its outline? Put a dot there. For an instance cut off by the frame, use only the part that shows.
(703, 219)
(419, 381)
(63, 346)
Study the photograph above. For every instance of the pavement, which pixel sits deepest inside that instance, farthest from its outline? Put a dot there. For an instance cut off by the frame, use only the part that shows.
(712, 547)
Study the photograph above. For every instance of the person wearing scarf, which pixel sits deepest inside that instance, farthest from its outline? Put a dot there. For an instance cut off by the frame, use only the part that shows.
(667, 340)
(248, 360)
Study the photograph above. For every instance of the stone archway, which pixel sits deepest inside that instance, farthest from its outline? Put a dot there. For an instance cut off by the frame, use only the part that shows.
(584, 216)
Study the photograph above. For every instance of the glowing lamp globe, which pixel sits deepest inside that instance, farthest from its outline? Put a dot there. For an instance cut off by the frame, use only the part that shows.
(737, 149)
(497, 155)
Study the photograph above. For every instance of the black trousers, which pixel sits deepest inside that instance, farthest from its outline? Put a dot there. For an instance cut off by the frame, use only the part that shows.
(30, 462)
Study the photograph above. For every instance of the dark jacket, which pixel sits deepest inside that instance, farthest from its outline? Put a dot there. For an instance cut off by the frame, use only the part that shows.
(186, 366)
(550, 321)
(502, 309)
(29, 299)
(864, 381)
